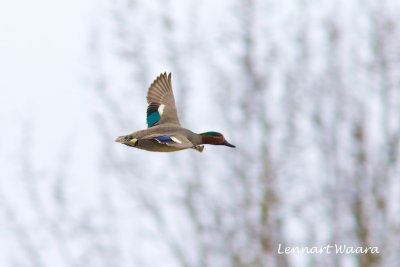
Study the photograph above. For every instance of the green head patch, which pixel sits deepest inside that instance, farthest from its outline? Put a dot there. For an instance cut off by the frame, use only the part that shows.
(211, 134)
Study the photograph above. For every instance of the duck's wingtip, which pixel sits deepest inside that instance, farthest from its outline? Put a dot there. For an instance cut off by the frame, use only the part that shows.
(165, 74)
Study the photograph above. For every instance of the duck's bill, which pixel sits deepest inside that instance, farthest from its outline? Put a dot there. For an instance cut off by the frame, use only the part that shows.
(226, 143)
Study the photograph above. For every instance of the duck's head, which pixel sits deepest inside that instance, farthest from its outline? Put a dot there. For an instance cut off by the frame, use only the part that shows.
(127, 140)
(214, 138)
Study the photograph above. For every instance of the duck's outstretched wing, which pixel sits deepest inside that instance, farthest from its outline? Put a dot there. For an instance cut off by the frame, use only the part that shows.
(177, 140)
(160, 97)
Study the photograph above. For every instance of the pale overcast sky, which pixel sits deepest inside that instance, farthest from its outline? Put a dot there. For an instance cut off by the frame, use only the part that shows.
(43, 66)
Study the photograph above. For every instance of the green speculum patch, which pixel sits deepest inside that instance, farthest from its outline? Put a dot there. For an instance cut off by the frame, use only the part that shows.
(153, 118)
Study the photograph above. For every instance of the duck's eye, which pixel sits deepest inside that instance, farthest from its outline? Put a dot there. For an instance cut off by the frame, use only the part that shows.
(127, 138)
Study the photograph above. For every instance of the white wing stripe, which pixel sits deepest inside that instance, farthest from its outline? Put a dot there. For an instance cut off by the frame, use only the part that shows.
(161, 109)
(176, 140)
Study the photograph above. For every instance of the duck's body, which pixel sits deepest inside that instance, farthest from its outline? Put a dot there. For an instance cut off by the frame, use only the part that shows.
(147, 138)
(164, 132)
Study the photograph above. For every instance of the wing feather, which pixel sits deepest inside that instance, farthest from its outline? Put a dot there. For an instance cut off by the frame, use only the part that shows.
(160, 93)
(176, 140)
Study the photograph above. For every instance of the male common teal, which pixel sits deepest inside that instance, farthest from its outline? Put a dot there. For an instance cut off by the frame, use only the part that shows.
(164, 132)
